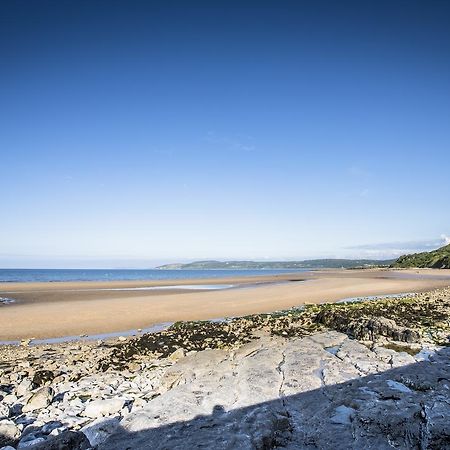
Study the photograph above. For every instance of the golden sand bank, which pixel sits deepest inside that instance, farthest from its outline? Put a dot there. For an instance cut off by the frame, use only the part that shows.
(46, 310)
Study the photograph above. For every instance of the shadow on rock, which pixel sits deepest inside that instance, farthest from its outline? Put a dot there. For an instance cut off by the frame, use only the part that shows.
(406, 407)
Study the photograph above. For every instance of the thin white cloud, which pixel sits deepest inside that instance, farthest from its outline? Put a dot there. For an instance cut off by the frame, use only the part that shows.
(394, 249)
(235, 143)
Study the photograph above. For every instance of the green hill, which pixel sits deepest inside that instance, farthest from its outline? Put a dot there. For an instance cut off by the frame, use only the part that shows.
(436, 259)
(307, 264)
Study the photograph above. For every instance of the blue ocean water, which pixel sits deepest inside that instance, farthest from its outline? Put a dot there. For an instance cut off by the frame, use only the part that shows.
(21, 275)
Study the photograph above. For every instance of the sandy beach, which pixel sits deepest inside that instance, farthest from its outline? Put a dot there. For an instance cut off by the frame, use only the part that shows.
(47, 310)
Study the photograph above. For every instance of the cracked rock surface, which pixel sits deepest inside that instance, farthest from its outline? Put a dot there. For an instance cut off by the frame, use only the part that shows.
(295, 393)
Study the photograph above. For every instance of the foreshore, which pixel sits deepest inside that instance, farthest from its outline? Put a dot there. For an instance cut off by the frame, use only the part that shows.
(49, 310)
(321, 374)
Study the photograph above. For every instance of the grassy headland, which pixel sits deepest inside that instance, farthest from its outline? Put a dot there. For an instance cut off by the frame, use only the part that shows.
(436, 259)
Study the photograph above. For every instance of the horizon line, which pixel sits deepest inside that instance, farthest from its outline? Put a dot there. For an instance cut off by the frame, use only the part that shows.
(200, 260)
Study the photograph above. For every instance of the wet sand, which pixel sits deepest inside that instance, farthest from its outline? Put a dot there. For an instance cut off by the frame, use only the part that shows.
(48, 310)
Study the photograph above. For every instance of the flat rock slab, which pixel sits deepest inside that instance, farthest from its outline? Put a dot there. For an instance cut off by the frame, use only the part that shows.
(318, 392)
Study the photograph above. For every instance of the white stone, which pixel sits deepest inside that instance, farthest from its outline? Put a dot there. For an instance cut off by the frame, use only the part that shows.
(107, 407)
(57, 431)
(40, 399)
(24, 388)
(177, 354)
(74, 421)
(9, 430)
(99, 430)
(10, 399)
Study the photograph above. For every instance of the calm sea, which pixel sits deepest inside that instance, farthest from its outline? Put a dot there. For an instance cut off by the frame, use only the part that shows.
(13, 275)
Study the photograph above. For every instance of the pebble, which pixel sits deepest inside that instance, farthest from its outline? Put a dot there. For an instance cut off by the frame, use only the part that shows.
(107, 407)
(100, 429)
(40, 399)
(8, 431)
(177, 354)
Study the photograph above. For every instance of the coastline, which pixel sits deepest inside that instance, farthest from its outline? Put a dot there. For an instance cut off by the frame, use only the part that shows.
(52, 310)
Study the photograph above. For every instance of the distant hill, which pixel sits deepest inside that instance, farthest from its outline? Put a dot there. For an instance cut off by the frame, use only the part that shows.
(437, 259)
(307, 264)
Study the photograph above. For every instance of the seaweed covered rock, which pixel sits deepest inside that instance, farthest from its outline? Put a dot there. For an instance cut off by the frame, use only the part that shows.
(42, 377)
(365, 328)
(402, 319)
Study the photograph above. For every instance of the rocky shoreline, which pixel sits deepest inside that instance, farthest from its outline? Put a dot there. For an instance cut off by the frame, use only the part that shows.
(370, 374)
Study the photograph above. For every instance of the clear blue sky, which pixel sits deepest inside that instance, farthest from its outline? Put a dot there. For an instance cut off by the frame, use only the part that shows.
(133, 133)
